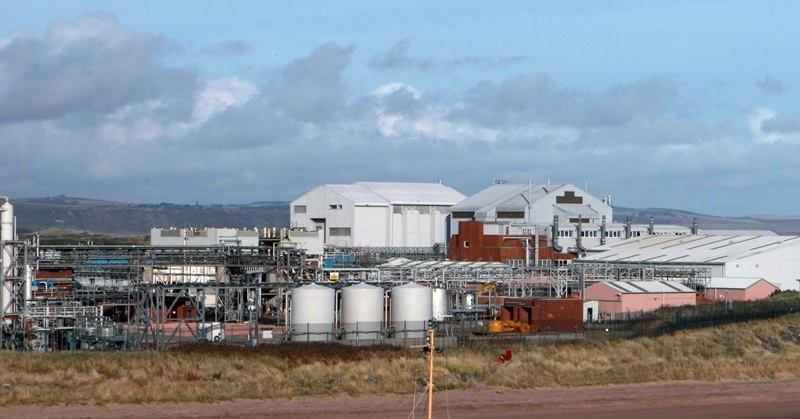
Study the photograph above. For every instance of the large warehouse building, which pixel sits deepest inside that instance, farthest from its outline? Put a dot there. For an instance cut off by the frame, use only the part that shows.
(773, 258)
(377, 214)
(531, 204)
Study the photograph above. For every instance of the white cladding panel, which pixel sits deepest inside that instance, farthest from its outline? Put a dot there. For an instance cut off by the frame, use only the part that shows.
(313, 313)
(362, 311)
(370, 226)
(412, 307)
(779, 266)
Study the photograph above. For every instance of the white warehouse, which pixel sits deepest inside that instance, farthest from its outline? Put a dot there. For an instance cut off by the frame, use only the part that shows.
(532, 204)
(378, 214)
(774, 258)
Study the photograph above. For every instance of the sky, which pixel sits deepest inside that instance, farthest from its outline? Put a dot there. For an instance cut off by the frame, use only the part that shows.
(687, 105)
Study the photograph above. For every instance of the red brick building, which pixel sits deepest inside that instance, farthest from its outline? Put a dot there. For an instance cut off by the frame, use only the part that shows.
(477, 243)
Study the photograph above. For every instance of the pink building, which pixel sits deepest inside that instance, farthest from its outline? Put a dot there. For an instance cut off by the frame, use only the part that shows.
(618, 300)
(739, 289)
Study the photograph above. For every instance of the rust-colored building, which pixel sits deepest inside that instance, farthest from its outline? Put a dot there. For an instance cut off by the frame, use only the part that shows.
(475, 244)
(543, 314)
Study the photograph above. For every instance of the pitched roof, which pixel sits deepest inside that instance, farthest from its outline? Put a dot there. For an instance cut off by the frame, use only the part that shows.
(505, 197)
(646, 287)
(688, 248)
(735, 283)
(414, 193)
(397, 193)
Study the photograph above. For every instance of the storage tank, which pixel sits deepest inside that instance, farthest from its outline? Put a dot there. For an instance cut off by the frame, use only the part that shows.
(313, 313)
(469, 301)
(439, 304)
(362, 312)
(7, 234)
(411, 310)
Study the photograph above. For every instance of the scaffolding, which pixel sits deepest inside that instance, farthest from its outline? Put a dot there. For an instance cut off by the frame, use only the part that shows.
(138, 297)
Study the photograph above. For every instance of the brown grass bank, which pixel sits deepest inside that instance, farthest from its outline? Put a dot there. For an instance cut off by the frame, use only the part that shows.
(206, 373)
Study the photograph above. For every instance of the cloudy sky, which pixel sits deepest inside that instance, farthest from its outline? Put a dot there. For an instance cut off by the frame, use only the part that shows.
(674, 104)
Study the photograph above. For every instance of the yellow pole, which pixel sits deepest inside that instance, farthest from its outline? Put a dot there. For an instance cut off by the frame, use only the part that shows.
(431, 347)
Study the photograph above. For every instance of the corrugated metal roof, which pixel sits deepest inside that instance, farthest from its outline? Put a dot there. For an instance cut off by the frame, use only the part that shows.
(645, 287)
(358, 194)
(395, 193)
(402, 193)
(505, 197)
(737, 232)
(689, 248)
(735, 283)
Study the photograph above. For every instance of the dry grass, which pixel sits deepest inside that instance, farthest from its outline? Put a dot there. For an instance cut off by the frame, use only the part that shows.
(756, 350)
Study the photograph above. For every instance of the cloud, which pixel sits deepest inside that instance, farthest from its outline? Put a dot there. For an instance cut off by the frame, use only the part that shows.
(311, 87)
(397, 58)
(140, 130)
(770, 86)
(227, 48)
(91, 65)
(766, 126)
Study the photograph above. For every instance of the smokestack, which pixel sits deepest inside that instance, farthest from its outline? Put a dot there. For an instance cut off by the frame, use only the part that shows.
(556, 247)
(603, 231)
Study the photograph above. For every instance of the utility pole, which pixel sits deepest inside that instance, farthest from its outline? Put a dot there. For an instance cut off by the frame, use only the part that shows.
(431, 351)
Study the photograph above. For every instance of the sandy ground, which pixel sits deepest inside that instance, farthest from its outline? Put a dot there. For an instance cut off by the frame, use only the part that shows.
(689, 399)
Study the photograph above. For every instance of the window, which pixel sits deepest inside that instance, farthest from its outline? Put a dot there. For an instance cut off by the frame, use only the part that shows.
(588, 234)
(564, 233)
(335, 206)
(340, 231)
(466, 244)
(299, 209)
(614, 234)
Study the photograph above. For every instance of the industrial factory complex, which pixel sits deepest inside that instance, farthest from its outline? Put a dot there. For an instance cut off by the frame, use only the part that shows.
(377, 262)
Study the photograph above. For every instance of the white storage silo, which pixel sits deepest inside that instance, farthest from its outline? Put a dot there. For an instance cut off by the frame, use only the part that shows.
(313, 313)
(412, 307)
(7, 234)
(362, 312)
(439, 304)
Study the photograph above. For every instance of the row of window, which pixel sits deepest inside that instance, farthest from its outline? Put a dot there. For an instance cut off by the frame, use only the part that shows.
(616, 234)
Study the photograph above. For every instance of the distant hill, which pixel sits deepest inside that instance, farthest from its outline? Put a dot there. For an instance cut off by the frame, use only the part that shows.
(123, 219)
(115, 218)
(784, 225)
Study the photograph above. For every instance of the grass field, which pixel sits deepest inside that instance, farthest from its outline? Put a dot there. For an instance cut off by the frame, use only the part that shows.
(755, 350)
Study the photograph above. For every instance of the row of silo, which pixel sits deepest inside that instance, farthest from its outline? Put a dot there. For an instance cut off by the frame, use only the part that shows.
(313, 311)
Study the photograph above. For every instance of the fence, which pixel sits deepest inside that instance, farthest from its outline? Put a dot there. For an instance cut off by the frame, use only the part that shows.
(706, 314)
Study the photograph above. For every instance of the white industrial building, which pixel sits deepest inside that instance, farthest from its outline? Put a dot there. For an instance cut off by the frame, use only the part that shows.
(773, 258)
(532, 203)
(378, 214)
(203, 237)
(573, 220)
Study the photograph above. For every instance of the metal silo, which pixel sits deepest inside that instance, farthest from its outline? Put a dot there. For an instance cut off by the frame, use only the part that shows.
(439, 304)
(362, 311)
(411, 309)
(313, 313)
(7, 235)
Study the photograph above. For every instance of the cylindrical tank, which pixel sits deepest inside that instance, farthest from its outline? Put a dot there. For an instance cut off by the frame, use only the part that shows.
(6, 234)
(412, 307)
(362, 311)
(439, 304)
(313, 313)
(469, 301)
